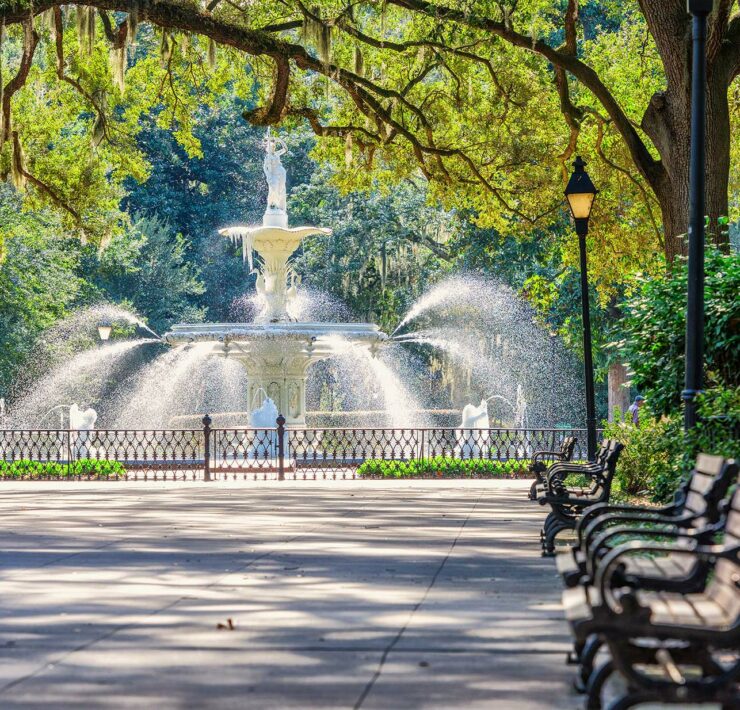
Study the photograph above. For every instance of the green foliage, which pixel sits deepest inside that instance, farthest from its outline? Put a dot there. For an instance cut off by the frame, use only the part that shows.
(658, 454)
(655, 330)
(38, 279)
(442, 467)
(384, 249)
(26, 468)
(652, 461)
(718, 428)
(148, 268)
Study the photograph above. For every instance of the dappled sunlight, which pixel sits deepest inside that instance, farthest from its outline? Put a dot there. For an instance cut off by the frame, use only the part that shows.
(317, 580)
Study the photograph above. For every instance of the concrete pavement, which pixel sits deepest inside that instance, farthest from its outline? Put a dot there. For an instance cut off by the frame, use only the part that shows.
(351, 594)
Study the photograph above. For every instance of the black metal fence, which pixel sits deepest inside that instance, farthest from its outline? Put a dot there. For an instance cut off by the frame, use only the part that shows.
(281, 452)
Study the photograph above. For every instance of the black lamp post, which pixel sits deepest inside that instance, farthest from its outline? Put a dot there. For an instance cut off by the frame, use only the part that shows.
(699, 10)
(581, 193)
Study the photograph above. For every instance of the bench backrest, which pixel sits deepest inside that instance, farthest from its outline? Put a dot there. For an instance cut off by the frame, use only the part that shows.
(614, 449)
(706, 487)
(604, 448)
(725, 585)
(567, 448)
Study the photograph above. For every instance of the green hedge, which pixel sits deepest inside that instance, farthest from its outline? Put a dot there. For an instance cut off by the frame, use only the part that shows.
(442, 467)
(658, 455)
(25, 468)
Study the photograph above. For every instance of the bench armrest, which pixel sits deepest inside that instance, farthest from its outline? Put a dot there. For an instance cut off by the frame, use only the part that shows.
(707, 553)
(596, 511)
(600, 548)
(537, 454)
(559, 471)
(637, 515)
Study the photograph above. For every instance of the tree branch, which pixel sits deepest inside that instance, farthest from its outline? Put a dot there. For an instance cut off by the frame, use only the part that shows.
(30, 40)
(572, 114)
(651, 169)
(331, 131)
(282, 26)
(275, 112)
(42, 186)
(645, 195)
(117, 36)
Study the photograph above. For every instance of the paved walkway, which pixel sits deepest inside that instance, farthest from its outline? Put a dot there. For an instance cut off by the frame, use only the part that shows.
(342, 595)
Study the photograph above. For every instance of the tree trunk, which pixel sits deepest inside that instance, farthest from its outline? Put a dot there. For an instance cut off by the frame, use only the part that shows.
(618, 394)
(668, 123)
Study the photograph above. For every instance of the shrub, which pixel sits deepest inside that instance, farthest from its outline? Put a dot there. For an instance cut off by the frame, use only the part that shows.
(26, 468)
(652, 460)
(443, 467)
(657, 454)
(655, 324)
(718, 427)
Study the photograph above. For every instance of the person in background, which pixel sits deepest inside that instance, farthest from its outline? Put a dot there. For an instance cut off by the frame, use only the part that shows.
(634, 409)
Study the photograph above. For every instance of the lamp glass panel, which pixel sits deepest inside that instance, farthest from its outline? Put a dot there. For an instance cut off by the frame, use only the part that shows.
(104, 331)
(581, 204)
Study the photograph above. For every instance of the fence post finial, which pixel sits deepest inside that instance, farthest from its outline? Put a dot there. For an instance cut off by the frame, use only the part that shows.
(207, 447)
(281, 447)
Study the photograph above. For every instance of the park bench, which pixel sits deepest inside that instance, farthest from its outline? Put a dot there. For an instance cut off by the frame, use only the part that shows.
(665, 644)
(538, 466)
(694, 510)
(562, 469)
(568, 502)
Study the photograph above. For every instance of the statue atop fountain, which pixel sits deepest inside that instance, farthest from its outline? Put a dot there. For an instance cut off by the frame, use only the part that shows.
(276, 214)
(274, 241)
(275, 349)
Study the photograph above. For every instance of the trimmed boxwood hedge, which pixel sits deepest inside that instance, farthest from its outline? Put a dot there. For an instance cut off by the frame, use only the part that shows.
(25, 468)
(442, 467)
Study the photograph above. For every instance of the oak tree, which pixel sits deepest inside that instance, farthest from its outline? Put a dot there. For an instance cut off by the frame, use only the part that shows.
(465, 91)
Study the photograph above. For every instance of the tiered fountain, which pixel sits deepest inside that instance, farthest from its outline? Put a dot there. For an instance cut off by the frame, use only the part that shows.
(275, 349)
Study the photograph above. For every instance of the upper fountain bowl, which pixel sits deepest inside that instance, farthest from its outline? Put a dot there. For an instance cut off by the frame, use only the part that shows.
(316, 340)
(273, 243)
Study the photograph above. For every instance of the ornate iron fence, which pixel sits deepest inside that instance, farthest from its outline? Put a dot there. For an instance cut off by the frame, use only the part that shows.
(219, 453)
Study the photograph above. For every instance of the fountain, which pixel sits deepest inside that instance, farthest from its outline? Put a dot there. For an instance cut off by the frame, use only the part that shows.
(468, 337)
(275, 349)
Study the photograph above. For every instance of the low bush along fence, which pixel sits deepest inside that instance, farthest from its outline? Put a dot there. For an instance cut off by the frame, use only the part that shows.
(91, 468)
(443, 467)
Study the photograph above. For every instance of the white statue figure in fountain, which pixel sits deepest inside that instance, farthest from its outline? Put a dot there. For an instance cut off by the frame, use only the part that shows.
(81, 423)
(264, 417)
(277, 195)
(472, 444)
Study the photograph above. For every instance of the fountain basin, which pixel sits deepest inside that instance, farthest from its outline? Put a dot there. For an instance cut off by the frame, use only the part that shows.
(277, 356)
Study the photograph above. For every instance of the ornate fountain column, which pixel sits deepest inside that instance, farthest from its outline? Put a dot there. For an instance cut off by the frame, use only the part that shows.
(275, 350)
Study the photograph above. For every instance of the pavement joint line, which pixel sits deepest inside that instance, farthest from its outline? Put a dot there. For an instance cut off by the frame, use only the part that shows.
(381, 663)
(69, 555)
(112, 632)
